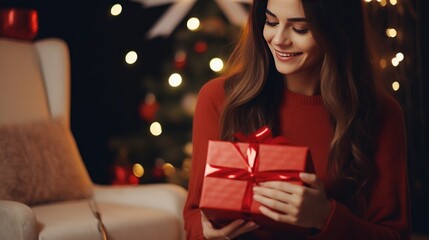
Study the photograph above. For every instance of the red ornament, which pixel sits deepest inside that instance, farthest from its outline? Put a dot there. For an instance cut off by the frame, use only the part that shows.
(149, 107)
(200, 47)
(124, 175)
(19, 23)
(148, 111)
(180, 59)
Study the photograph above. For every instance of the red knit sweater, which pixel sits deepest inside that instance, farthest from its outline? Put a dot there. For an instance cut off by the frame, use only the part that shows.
(305, 122)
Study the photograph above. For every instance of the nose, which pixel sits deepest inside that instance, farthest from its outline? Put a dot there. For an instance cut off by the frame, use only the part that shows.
(281, 37)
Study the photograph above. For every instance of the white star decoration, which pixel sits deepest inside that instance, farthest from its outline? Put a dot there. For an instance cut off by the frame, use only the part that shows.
(232, 9)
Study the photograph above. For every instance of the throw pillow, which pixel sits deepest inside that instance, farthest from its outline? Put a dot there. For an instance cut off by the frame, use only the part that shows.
(40, 163)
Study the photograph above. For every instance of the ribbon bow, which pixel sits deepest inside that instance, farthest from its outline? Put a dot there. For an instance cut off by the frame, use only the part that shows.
(252, 175)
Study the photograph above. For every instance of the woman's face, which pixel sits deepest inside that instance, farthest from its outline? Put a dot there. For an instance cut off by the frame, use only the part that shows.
(287, 34)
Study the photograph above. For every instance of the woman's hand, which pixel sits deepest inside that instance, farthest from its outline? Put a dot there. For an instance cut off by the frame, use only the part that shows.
(231, 231)
(299, 205)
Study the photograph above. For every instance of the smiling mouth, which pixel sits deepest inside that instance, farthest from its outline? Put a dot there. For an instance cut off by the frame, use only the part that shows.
(287, 54)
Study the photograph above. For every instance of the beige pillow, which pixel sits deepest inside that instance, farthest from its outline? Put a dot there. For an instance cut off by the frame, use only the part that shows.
(40, 163)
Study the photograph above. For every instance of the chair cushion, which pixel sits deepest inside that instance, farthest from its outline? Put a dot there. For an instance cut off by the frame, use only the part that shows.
(23, 97)
(129, 222)
(40, 163)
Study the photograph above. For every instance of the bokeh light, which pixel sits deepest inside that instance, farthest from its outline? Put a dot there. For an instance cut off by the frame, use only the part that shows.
(131, 57)
(193, 24)
(175, 80)
(138, 170)
(155, 129)
(216, 64)
(116, 9)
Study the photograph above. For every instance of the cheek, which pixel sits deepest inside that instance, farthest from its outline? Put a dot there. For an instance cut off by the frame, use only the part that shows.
(267, 35)
(311, 47)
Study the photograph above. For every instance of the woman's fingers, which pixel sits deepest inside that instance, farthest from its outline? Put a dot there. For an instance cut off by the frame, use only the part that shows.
(283, 186)
(244, 228)
(306, 206)
(279, 217)
(275, 194)
(232, 230)
(274, 204)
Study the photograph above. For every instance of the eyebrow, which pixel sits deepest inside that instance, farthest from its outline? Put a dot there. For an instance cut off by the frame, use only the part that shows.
(289, 19)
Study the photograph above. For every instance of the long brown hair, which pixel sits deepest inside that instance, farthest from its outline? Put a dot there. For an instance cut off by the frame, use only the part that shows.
(348, 84)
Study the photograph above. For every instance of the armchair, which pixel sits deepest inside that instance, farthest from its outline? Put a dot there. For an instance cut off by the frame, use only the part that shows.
(45, 190)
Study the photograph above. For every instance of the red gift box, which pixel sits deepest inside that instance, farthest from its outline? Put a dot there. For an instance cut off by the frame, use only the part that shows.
(233, 168)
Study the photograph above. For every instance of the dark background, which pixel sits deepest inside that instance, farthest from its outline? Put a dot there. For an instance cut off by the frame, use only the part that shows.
(105, 92)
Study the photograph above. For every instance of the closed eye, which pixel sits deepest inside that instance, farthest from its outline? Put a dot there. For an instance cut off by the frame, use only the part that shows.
(271, 24)
(300, 31)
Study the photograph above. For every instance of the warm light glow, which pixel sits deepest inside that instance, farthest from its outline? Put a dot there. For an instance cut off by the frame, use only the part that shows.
(168, 169)
(193, 24)
(186, 165)
(393, 2)
(180, 56)
(138, 170)
(116, 9)
(395, 86)
(175, 80)
(395, 62)
(391, 32)
(189, 102)
(400, 56)
(150, 98)
(155, 129)
(383, 63)
(131, 57)
(383, 3)
(368, 0)
(188, 149)
(216, 64)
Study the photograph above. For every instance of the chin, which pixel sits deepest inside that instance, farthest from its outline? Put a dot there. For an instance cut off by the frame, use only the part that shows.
(285, 70)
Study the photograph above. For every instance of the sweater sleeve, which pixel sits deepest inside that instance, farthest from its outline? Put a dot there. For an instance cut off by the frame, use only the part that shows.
(387, 211)
(205, 128)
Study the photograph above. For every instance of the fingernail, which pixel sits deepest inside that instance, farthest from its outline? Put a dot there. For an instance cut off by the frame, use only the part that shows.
(303, 175)
(251, 224)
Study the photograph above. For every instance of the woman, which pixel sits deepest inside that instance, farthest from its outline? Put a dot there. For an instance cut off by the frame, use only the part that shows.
(303, 67)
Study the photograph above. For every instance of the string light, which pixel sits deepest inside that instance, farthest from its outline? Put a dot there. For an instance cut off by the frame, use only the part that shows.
(216, 64)
(383, 63)
(187, 149)
(393, 2)
(395, 62)
(116, 9)
(169, 169)
(155, 129)
(131, 57)
(138, 170)
(383, 3)
(395, 86)
(193, 24)
(186, 165)
(400, 56)
(175, 80)
(391, 32)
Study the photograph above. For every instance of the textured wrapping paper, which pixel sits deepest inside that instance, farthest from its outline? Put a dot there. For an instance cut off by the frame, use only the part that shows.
(233, 168)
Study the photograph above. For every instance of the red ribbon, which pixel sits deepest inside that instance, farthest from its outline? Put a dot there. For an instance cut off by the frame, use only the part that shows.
(252, 175)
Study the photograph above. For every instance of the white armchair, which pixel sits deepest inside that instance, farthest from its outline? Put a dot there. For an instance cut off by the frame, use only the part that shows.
(34, 88)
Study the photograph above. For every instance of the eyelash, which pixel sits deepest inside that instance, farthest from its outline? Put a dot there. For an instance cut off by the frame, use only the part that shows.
(299, 31)
(271, 24)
